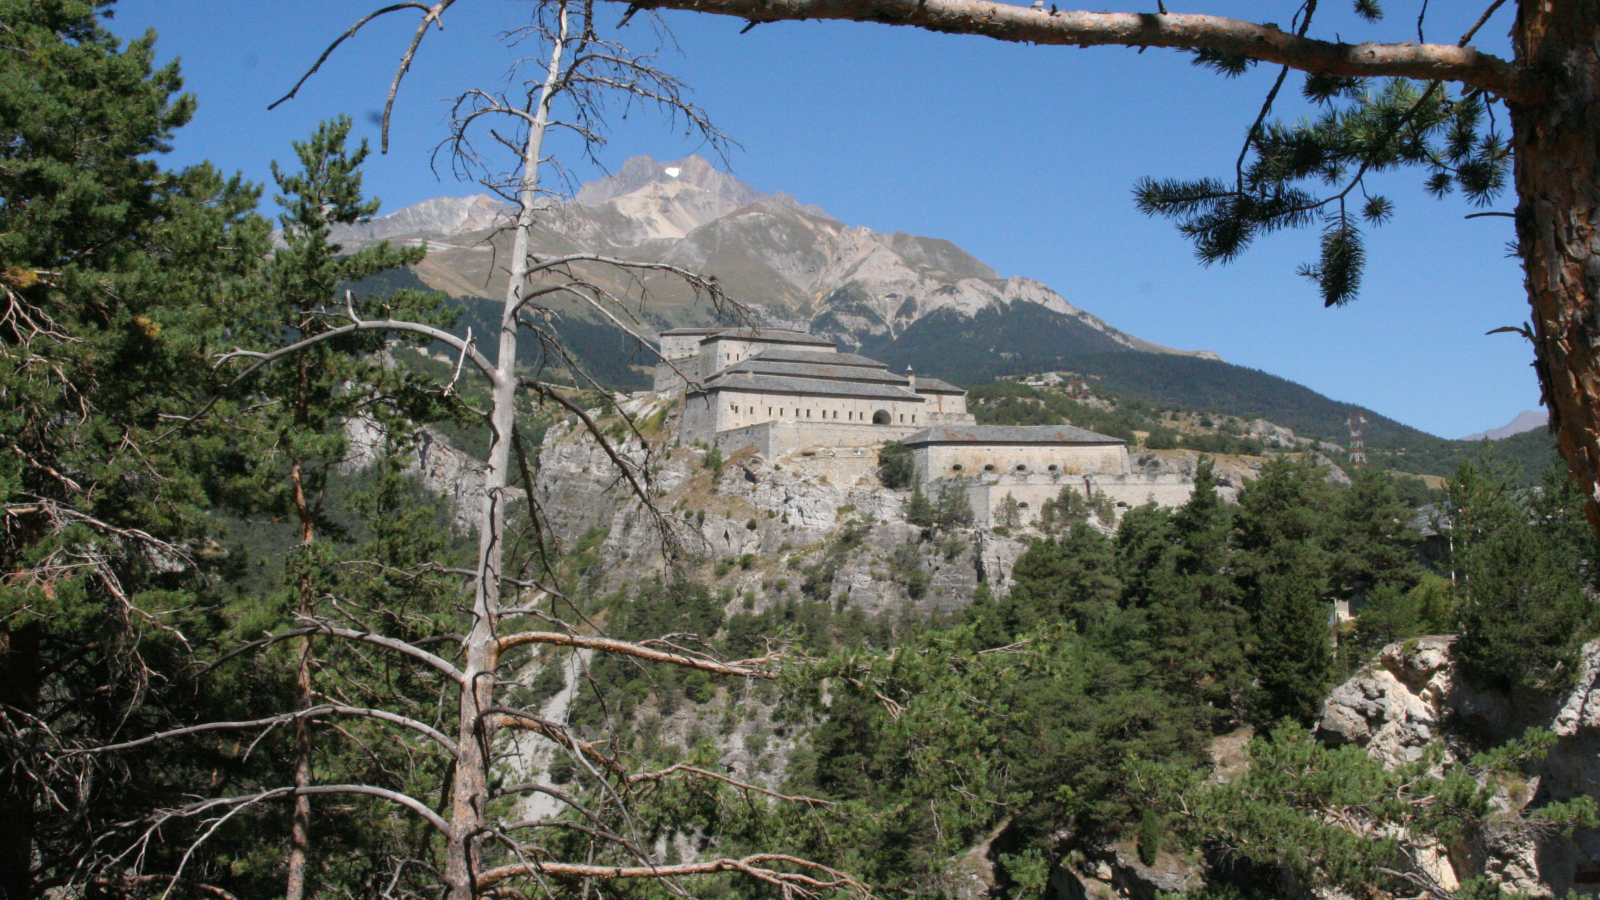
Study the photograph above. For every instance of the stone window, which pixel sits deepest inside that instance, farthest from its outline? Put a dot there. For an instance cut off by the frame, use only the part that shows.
(989, 467)
(956, 467)
(882, 417)
(1021, 467)
(1054, 467)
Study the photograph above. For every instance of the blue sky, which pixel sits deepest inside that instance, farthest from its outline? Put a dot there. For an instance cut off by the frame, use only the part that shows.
(1025, 156)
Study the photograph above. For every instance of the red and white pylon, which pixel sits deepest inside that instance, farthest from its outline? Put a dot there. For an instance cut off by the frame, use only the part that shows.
(1358, 450)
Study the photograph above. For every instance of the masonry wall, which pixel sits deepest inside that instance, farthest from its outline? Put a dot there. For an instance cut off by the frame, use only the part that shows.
(666, 379)
(944, 408)
(716, 355)
(936, 461)
(987, 495)
(775, 439)
(678, 346)
(738, 409)
(699, 422)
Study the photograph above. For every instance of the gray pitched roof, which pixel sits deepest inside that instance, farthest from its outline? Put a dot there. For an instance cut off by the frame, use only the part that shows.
(821, 357)
(773, 335)
(779, 384)
(1008, 434)
(710, 329)
(936, 386)
(756, 365)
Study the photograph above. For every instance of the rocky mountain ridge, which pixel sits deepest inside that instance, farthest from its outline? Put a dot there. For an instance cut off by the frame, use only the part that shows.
(790, 262)
(1527, 420)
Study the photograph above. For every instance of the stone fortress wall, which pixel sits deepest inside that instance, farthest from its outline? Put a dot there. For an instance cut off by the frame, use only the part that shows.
(797, 399)
(936, 461)
(987, 494)
(779, 439)
(740, 409)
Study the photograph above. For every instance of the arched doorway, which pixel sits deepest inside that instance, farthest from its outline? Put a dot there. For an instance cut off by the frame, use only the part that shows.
(881, 417)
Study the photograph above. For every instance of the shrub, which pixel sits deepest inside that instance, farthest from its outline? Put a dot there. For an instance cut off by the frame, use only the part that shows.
(894, 465)
(714, 461)
(1149, 837)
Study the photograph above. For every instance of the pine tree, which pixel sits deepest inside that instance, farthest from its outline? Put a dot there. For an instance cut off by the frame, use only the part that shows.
(1193, 622)
(919, 511)
(953, 509)
(117, 281)
(308, 400)
(1284, 566)
(1520, 565)
(1071, 578)
(1374, 543)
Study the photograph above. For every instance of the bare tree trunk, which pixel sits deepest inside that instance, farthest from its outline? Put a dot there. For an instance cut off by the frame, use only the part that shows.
(300, 826)
(1556, 140)
(475, 735)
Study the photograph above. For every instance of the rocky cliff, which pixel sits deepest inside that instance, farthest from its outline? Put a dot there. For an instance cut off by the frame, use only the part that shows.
(784, 514)
(1413, 696)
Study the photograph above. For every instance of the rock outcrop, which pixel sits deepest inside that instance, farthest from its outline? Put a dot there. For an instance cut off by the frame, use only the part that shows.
(1413, 696)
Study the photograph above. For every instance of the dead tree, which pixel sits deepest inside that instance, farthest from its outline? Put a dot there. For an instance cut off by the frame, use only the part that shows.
(473, 849)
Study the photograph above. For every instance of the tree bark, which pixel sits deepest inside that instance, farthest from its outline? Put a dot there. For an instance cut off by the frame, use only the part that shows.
(300, 824)
(1556, 143)
(475, 736)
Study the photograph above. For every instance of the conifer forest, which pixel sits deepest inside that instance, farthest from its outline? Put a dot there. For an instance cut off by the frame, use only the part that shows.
(246, 653)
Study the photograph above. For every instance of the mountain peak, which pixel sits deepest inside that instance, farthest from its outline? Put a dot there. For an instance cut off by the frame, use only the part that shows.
(441, 215)
(641, 171)
(1527, 420)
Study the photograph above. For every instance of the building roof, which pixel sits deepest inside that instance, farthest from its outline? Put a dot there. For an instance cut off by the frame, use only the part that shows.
(756, 365)
(709, 329)
(1008, 434)
(781, 384)
(927, 385)
(771, 335)
(822, 357)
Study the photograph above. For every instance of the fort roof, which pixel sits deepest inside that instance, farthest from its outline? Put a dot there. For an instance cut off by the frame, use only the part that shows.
(759, 365)
(770, 335)
(789, 354)
(927, 385)
(1008, 434)
(709, 329)
(782, 384)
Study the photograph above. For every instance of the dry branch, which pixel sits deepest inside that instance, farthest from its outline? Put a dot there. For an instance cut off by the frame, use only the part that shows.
(1020, 24)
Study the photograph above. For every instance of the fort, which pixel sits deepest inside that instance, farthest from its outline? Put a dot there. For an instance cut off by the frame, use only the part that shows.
(794, 395)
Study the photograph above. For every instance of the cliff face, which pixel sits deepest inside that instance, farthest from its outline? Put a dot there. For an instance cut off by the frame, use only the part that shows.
(775, 518)
(758, 533)
(1413, 696)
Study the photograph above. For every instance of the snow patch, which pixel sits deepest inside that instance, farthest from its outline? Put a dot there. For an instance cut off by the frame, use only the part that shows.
(672, 172)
